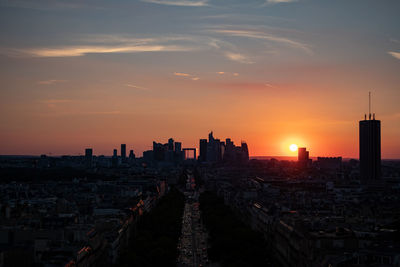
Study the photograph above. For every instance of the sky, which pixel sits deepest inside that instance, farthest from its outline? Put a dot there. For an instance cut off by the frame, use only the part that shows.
(77, 74)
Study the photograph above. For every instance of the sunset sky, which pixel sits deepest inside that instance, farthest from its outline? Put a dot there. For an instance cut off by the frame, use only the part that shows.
(77, 74)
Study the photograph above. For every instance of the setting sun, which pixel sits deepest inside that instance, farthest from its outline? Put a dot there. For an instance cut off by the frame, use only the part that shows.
(293, 147)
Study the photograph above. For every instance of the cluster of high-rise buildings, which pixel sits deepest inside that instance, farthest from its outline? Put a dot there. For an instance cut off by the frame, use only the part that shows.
(215, 150)
(211, 151)
(169, 152)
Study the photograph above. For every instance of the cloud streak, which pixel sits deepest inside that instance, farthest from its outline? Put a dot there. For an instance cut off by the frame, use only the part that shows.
(56, 101)
(264, 36)
(108, 44)
(186, 3)
(279, 1)
(135, 86)
(186, 75)
(238, 57)
(85, 50)
(394, 54)
(49, 82)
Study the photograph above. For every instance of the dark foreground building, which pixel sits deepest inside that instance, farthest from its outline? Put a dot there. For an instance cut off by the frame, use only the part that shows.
(370, 148)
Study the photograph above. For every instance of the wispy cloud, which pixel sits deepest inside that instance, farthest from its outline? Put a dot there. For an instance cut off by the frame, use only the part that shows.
(187, 75)
(85, 50)
(56, 113)
(269, 85)
(112, 112)
(107, 44)
(56, 101)
(49, 82)
(135, 86)
(182, 74)
(279, 1)
(238, 57)
(52, 103)
(188, 3)
(45, 4)
(394, 54)
(227, 73)
(394, 40)
(264, 36)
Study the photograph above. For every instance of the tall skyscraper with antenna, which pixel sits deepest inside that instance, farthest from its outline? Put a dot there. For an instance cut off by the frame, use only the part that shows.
(370, 146)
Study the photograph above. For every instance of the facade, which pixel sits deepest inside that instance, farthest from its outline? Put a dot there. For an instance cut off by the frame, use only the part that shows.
(303, 158)
(88, 153)
(370, 148)
(131, 154)
(178, 147)
(89, 157)
(123, 151)
(171, 144)
(203, 150)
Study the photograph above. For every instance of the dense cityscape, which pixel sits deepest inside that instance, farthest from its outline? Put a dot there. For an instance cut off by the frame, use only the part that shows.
(220, 208)
(199, 133)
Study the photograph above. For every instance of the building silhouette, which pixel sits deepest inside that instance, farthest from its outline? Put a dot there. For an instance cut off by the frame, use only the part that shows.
(123, 151)
(214, 151)
(303, 157)
(203, 150)
(178, 147)
(131, 155)
(171, 144)
(370, 148)
(89, 157)
(88, 153)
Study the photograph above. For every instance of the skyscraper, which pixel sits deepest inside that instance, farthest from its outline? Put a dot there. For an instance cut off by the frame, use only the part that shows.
(88, 153)
(171, 144)
(131, 154)
(88, 156)
(370, 148)
(178, 147)
(123, 151)
(303, 157)
(203, 150)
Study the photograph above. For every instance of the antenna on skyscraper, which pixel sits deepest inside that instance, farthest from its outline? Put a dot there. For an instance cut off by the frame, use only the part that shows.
(369, 104)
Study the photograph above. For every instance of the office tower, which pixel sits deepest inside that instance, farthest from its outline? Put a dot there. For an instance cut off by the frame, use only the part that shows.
(114, 159)
(303, 157)
(178, 147)
(370, 148)
(171, 144)
(245, 152)
(131, 154)
(203, 150)
(213, 149)
(303, 154)
(88, 153)
(88, 157)
(159, 151)
(123, 151)
(229, 151)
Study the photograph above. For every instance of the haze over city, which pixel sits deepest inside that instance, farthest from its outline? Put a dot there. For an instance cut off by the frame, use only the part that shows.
(272, 73)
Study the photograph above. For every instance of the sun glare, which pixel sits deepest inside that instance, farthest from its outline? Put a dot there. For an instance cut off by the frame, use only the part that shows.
(293, 147)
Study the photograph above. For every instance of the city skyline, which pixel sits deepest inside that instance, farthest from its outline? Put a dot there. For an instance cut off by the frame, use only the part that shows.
(271, 73)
